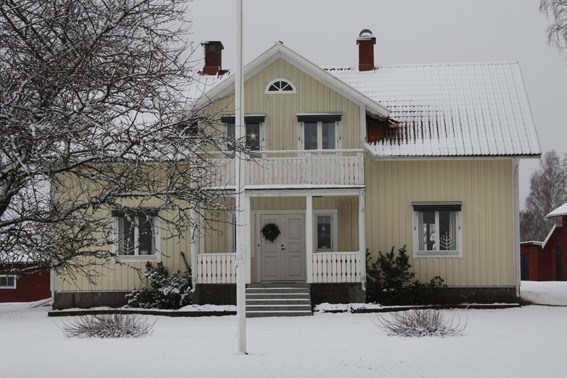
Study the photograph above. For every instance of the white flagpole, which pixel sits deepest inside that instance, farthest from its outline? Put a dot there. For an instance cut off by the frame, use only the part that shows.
(239, 133)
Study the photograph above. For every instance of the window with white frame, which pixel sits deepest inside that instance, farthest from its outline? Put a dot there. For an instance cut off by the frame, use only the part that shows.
(255, 133)
(319, 131)
(137, 234)
(7, 281)
(325, 230)
(280, 86)
(437, 229)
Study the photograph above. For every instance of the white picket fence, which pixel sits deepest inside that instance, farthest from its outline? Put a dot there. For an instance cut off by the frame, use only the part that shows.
(334, 267)
(216, 268)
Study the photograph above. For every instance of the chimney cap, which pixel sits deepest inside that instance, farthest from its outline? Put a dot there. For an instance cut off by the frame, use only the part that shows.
(203, 43)
(366, 35)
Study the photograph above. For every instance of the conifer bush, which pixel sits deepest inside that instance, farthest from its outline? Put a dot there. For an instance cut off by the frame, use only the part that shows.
(390, 280)
(164, 290)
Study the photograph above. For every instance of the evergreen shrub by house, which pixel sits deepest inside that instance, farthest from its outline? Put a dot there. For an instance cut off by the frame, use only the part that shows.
(164, 290)
(390, 281)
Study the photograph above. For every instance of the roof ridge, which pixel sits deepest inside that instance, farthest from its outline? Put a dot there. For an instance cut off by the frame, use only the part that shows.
(447, 64)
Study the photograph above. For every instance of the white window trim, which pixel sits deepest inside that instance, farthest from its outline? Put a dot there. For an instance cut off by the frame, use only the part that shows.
(417, 253)
(338, 136)
(267, 91)
(334, 237)
(231, 224)
(9, 287)
(156, 257)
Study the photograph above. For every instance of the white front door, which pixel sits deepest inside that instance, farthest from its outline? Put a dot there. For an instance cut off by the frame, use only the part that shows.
(284, 258)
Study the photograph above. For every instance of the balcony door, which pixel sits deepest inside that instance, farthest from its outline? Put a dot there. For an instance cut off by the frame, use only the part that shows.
(282, 259)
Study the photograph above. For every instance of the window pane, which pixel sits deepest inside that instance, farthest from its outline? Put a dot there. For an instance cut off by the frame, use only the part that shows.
(310, 135)
(328, 135)
(426, 224)
(253, 136)
(3, 281)
(230, 131)
(447, 231)
(145, 236)
(324, 235)
(125, 236)
(11, 281)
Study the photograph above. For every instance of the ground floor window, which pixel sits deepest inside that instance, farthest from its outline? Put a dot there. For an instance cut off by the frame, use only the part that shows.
(137, 234)
(7, 281)
(437, 230)
(325, 231)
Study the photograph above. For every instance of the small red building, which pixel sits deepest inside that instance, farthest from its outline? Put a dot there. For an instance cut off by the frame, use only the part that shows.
(27, 288)
(547, 260)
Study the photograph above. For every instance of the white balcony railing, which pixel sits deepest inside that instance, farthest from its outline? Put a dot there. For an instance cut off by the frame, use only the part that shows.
(216, 268)
(334, 267)
(301, 168)
(328, 267)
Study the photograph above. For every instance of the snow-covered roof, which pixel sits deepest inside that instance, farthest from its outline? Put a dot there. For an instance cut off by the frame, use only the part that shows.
(280, 51)
(559, 212)
(443, 110)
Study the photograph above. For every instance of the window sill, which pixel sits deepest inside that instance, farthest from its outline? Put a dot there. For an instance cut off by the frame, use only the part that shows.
(425, 254)
(136, 258)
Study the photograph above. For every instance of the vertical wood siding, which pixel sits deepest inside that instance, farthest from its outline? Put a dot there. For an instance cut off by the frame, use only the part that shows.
(281, 109)
(485, 188)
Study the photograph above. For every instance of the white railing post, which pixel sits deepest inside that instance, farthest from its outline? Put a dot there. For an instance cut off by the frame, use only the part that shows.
(309, 238)
(362, 239)
(193, 247)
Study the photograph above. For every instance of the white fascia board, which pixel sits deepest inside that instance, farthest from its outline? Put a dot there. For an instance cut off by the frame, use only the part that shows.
(548, 236)
(367, 148)
(279, 50)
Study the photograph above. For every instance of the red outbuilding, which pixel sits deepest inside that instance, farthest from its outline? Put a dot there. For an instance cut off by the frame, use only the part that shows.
(547, 260)
(26, 288)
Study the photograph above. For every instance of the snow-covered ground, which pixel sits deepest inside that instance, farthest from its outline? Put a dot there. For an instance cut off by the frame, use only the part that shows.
(519, 342)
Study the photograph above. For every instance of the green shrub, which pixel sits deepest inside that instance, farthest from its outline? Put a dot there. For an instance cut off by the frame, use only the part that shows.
(164, 290)
(390, 280)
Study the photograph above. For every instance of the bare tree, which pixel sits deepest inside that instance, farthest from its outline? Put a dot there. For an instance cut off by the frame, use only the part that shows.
(548, 190)
(556, 11)
(93, 111)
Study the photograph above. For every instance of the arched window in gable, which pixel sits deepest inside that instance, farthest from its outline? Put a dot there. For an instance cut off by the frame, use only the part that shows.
(280, 86)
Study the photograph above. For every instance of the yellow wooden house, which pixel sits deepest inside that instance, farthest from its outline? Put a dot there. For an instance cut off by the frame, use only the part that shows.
(350, 159)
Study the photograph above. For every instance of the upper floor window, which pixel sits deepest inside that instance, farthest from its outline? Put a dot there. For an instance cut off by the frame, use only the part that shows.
(136, 234)
(437, 230)
(319, 131)
(7, 281)
(280, 86)
(254, 131)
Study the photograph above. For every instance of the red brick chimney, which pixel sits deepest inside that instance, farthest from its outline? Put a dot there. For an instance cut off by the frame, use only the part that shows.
(213, 58)
(366, 42)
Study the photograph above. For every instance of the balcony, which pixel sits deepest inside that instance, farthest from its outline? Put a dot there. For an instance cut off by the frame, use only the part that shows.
(322, 168)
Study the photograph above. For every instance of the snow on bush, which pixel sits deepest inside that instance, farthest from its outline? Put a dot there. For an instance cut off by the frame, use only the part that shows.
(419, 323)
(108, 326)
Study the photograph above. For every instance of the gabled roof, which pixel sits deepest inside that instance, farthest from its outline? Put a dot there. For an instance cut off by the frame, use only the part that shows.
(559, 212)
(445, 110)
(279, 50)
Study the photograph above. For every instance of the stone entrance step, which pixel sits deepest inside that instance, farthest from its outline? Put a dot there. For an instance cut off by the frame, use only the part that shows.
(278, 299)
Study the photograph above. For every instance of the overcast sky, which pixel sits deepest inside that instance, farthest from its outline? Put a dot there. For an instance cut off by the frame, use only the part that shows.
(406, 31)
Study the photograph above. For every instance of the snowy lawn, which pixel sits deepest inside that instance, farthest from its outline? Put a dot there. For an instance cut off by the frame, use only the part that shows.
(519, 342)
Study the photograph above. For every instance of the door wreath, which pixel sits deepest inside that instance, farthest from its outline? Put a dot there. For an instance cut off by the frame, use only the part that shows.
(271, 231)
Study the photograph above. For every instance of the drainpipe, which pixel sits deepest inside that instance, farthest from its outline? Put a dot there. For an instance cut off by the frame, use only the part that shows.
(516, 224)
